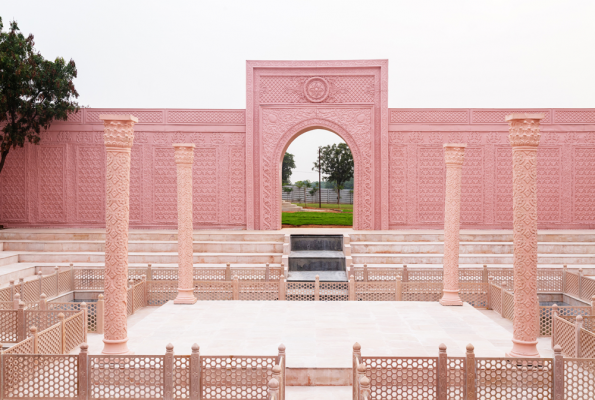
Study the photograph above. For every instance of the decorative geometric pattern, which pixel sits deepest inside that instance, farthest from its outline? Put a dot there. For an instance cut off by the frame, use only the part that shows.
(430, 184)
(579, 379)
(237, 181)
(375, 291)
(112, 377)
(49, 341)
(398, 184)
(565, 336)
(587, 344)
(236, 377)
(472, 181)
(423, 116)
(455, 378)
(584, 184)
(144, 117)
(476, 294)
(422, 291)
(549, 175)
(181, 377)
(259, 290)
(90, 183)
(497, 116)
(300, 291)
(205, 186)
(401, 378)
(51, 183)
(164, 185)
(514, 378)
(574, 116)
(333, 291)
(503, 185)
(546, 316)
(40, 377)
(13, 201)
(8, 324)
(213, 290)
(234, 117)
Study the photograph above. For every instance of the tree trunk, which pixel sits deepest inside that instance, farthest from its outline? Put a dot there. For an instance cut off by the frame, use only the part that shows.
(3, 158)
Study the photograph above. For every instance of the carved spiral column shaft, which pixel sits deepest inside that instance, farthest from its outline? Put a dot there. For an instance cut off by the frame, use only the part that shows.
(118, 136)
(453, 156)
(184, 155)
(524, 138)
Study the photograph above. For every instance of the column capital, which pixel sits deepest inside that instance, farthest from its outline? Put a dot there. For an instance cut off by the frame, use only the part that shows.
(454, 153)
(184, 153)
(523, 129)
(118, 130)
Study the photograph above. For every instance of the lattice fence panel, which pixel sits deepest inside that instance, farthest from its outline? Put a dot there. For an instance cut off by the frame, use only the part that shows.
(181, 377)
(23, 347)
(471, 276)
(65, 281)
(455, 378)
(587, 344)
(300, 291)
(5, 294)
(549, 280)
(475, 294)
(136, 274)
(236, 377)
(334, 291)
(496, 298)
(113, 377)
(501, 276)
(571, 284)
(75, 331)
(40, 376)
(208, 274)
(166, 274)
(49, 341)
(49, 285)
(130, 301)
(88, 279)
(546, 315)
(588, 288)
(139, 295)
(508, 305)
(425, 275)
(72, 306)
(8, 326)
(579, 379)
(44, 319)
(377, 274)
(565, 336)
(514, 378)
(589, 322)
(213, 290)
(401, 378)
(375, 291)
(422, 291)
(256, 274)
(160, 292)
(31, 291)
(250, 290)
(6, 305)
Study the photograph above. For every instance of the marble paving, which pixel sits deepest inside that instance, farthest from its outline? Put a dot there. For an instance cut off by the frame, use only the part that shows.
(318, 334)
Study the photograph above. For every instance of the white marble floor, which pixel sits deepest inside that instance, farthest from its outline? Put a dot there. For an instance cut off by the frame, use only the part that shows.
(318, 334)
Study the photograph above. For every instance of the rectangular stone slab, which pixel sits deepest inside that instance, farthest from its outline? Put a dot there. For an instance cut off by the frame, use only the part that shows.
(316, 243)
(316, 261)
(323, 276)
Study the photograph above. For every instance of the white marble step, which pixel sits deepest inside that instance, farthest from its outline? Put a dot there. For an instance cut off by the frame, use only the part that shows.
(468, 247)
(470, 236)
(560, 259)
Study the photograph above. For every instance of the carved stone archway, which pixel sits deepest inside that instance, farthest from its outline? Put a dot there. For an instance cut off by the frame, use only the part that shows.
(287, 98)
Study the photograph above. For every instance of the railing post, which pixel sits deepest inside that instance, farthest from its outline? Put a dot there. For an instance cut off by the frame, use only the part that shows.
(131, 288)
(62, 334)
(168, 373)
(399, 289)
(273, 389)
(85, 311)
(21, 329)
(277, 377)
(470, 373)
(282, 291)
(489, 296)
(351, 288)
(580, 283)
(502, 296)
(21, 286)
(317, 288)
(577, 337)
(365, 388)
(236, 288)
(442, 383)
(564, 271)
(16, 301)
(267, 272)
(195, 391)
(11, 285)
(282, 380)
(72, 280)
(43, 304)
(39, 283)
(365, 272)
(405, 273)
(554, 315)
(149, 272)
(484, 274)
(357, 353)
(83, 371)
(558, 373)
(145, 290)
(57, 275)
(228, 272)
(100, 311)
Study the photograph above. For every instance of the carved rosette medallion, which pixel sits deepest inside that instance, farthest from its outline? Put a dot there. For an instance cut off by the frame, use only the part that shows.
(118, 138)
(524, 137)
(316, 89)
(453, 156)
(184, 156)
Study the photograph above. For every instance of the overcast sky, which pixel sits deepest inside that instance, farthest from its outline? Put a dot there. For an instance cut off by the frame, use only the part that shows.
(442, 53)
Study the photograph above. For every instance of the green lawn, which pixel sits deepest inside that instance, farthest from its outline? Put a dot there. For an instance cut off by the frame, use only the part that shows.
(317, 218)
(344, 207)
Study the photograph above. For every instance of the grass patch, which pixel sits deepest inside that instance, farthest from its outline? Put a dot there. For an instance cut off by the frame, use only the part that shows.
(317, 218)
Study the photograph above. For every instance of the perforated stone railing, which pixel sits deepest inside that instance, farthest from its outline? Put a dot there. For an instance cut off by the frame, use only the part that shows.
(575, 334)
(472, 378)
(84, 376)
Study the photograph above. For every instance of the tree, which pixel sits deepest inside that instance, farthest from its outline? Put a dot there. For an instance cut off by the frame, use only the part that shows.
(305, 184)
(288, 190)
(286, 170)
(33, 91)
(336, 164)
(314, 189)
(300, 185)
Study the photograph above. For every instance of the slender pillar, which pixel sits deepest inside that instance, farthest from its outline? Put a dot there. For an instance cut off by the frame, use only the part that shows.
(184, 155)
(524, 138)
(118, 136)
(454, 154)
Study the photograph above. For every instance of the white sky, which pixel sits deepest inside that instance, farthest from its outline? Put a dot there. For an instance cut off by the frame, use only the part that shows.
(442, 53)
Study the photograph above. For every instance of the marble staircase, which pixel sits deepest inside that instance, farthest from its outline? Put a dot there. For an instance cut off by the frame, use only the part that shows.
(286, 206)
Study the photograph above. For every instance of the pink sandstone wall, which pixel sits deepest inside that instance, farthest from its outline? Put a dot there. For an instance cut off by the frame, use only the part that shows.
(62, 181)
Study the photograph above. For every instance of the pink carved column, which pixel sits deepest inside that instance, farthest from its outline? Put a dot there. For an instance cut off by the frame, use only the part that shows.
(118, 137)
(184, 155)
(453, 156)
(524, 138)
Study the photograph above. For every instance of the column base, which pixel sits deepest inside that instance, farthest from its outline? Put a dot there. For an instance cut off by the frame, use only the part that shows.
(185, 296)
(522, 349)
(450, 298)
(116, 347)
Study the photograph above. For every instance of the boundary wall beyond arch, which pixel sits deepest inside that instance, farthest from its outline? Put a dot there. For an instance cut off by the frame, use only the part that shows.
(398, 152)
